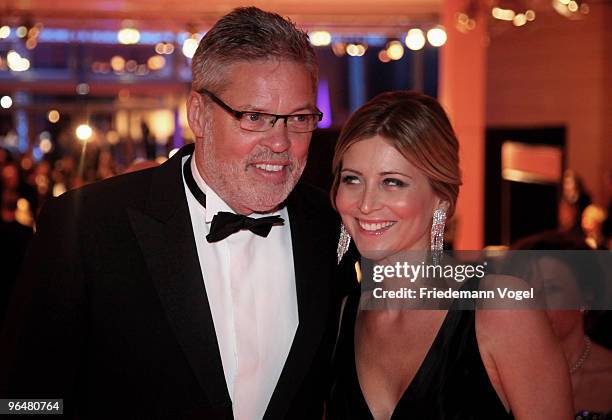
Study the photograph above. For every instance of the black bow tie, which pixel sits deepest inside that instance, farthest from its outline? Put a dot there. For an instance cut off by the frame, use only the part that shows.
(224, 223)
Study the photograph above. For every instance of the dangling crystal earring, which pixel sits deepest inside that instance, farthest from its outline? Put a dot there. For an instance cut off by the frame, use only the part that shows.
(343, 242)
(437, 234)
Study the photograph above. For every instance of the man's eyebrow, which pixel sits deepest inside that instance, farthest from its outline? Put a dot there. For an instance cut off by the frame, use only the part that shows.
(256, 108)
(251, 108)
(306, 107)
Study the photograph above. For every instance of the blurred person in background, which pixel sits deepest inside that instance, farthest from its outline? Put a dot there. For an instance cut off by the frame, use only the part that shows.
(593, 218)
(106, 165)
(574, 199)
(10, 177)
(27, 189)
(13, 185)
(148, 140)
(4, 157)
(40, 179)
(607, 226)
(65, 174)
(589, 363)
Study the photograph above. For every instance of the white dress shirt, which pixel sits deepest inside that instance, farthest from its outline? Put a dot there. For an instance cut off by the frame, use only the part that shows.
(250, 283)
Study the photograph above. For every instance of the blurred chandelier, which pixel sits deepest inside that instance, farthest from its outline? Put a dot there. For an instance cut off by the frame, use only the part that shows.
(571, 9)
(515, 11)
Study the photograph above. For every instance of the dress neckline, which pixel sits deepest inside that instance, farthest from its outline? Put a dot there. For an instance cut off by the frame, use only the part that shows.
(417, 377)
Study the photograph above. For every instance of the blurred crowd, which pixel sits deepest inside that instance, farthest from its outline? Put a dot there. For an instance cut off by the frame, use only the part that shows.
(578, 215)
(26, 184)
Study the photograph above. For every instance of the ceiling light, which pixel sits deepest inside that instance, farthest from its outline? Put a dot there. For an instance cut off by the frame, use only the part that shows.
(190, 46)
(436, 36)
(6, 102)
(415, 39)
(83, 132)
(128, 35)
(320, 38)
(395, 51)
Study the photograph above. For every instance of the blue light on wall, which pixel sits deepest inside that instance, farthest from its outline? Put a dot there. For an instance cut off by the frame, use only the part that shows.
(357, 83)
(101, 37)
(21, 123)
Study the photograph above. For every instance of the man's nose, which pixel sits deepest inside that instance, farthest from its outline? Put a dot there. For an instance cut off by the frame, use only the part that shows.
(277, 137)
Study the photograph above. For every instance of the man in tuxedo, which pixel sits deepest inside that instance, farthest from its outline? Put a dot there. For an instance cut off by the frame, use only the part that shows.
(207, 287)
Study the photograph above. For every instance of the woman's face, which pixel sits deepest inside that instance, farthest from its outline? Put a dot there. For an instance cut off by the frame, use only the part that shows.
(559, 287)
(385, 202)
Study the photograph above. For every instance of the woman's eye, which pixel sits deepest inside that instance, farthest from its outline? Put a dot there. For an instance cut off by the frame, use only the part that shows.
(350, 179)
(394, 182)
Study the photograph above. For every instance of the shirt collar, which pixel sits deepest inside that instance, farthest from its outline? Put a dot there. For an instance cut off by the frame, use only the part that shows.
(214, 203)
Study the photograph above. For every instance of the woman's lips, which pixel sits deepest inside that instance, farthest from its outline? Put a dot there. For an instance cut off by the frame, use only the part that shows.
(374, 227)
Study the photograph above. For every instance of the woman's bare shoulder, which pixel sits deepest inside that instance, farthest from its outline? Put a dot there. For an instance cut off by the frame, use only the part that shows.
(517, 345)
(509, 323)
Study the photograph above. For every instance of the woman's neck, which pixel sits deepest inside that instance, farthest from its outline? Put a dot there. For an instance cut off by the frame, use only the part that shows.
(574, 346)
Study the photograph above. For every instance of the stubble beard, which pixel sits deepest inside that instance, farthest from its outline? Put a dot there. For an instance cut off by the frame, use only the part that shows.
(234, 184)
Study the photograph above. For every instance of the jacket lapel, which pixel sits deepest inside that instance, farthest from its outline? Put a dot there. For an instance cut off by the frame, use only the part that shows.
(166, 239)
(312, 277)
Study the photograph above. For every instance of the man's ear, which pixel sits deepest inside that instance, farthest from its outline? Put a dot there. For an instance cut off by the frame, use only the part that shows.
(195, 113)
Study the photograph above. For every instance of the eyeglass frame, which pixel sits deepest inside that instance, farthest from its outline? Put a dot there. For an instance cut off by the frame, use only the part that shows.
(238, 114)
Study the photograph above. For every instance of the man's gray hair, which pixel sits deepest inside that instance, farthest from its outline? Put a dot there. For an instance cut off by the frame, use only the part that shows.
(249, 34)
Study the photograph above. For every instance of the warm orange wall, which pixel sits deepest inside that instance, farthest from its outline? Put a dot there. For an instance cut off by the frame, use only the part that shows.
(462, 92)
(557, 72)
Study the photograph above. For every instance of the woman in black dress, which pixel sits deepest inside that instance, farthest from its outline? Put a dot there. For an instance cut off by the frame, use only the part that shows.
(574, 272)
(397, 178)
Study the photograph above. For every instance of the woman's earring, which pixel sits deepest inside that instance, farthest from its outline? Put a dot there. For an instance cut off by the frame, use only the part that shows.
(343, 242)
(437, 234)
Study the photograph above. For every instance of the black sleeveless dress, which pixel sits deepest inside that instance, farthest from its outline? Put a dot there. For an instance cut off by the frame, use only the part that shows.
(451, 384)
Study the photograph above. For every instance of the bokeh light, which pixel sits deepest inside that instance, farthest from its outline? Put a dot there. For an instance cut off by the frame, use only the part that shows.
(156, 62)
(6, 102)
(355, 50)
(5, 32)
(436, 36)
(190, 46)
(320, 38)
(117, 63)
(128, 35)
(415, 39)
(53, 116)
(21, 31)
(83, 132)
(395, 50)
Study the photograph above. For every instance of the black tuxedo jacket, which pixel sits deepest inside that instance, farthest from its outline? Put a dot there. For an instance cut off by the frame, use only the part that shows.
(111, 313)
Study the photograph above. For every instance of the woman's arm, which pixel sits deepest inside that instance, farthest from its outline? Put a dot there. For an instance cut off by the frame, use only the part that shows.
(526, 360)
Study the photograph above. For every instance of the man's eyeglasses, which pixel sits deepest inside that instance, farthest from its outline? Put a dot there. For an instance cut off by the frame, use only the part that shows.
(261, 121)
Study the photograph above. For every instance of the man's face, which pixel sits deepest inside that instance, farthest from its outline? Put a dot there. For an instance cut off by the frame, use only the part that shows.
(253, 171)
